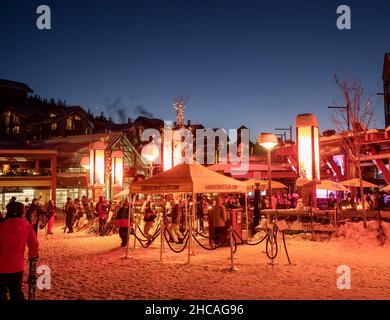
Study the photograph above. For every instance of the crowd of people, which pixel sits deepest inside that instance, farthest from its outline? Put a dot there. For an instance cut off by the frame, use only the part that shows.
(372, 201)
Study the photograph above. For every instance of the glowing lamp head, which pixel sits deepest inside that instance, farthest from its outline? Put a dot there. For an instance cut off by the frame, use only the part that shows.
(97, 162)
(85, 163)
(150, 152)
(268, 140)
(117, 168)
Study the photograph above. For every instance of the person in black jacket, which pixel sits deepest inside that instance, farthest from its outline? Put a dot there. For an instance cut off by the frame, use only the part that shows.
(33, 214)
(176, 214)
(70, 210)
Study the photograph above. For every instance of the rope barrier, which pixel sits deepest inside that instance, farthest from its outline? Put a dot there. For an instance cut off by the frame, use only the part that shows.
(285, 247)
(169, 244)
(273, 241)
(248, 243)
(202, 235)
(217, 246)
(149, 242)
(143, 234)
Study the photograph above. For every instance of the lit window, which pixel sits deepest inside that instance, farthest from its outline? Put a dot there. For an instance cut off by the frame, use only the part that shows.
(17, 129)
(77, 117)
(54, 126)
(15, 119)
(52, 115)
(7, 117)
(69, 123)
(7, 130)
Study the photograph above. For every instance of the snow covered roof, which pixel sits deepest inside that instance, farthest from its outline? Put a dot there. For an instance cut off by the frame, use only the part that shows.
(72, 148)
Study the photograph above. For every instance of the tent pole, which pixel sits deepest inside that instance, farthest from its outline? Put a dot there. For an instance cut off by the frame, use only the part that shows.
(193, 215)
(136, 217)
(246, 216)
(161, 235)
(128, 229)
(189, 230)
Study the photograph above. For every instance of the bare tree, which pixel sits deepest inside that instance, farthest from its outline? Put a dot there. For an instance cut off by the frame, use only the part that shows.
(352, 120)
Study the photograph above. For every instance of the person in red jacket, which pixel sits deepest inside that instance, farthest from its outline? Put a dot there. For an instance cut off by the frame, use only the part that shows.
(15, 233)
(102, 212)
(122, 221)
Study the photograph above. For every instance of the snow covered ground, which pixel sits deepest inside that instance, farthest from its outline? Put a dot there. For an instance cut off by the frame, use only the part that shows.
(88, 267)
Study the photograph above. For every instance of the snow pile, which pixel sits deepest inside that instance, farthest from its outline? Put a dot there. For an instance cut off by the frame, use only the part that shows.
(356, 233)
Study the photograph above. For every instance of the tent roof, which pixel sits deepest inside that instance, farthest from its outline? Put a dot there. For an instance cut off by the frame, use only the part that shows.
(188, 178)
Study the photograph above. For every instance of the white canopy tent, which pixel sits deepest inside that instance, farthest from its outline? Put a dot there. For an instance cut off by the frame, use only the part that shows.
(187, 178)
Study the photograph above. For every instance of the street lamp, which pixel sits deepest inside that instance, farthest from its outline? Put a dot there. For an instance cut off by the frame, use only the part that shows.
(150, 152)
(268, 141)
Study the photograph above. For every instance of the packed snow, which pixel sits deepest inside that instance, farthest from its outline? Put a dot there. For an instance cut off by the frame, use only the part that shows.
(84, 266)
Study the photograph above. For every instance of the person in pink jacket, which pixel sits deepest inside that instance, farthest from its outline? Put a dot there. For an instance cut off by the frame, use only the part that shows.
(15, 233)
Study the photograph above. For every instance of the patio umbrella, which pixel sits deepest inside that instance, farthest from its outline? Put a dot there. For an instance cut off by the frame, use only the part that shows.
(263, 184)
(386, 189)
(331, 185)
(356, 183)
(122, 193)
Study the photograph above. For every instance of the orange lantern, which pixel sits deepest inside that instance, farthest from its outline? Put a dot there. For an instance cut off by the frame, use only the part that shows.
(117, 168)
(308, 147)
(97, 163)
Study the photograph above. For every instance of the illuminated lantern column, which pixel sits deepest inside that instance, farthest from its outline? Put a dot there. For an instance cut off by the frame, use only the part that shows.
(97, 168)
(308, 156)
(85, 163)
(117, 171)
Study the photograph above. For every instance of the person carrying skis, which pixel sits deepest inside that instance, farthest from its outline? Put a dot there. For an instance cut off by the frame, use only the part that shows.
(33, 214)
(122, 221)
(176, 214)
(15, 233)
(102, 212)
(70, 210)
(50, 216)
(149, 216)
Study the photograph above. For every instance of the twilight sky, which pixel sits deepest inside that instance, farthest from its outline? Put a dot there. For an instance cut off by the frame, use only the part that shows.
(242, 62)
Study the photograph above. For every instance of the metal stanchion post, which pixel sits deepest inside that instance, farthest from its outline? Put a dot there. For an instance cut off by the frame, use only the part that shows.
(232, 268)
(246, 217)
(193, 218)
(189, 220)
(136, 217)
(128, 230)
(161, 237)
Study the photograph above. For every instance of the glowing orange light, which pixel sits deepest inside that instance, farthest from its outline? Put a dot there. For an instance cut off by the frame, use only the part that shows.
(308, 147)
(96, 163)
(168, 157)
(117, 168)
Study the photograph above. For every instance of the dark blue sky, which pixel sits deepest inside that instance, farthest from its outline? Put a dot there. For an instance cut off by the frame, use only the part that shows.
(242, 62)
